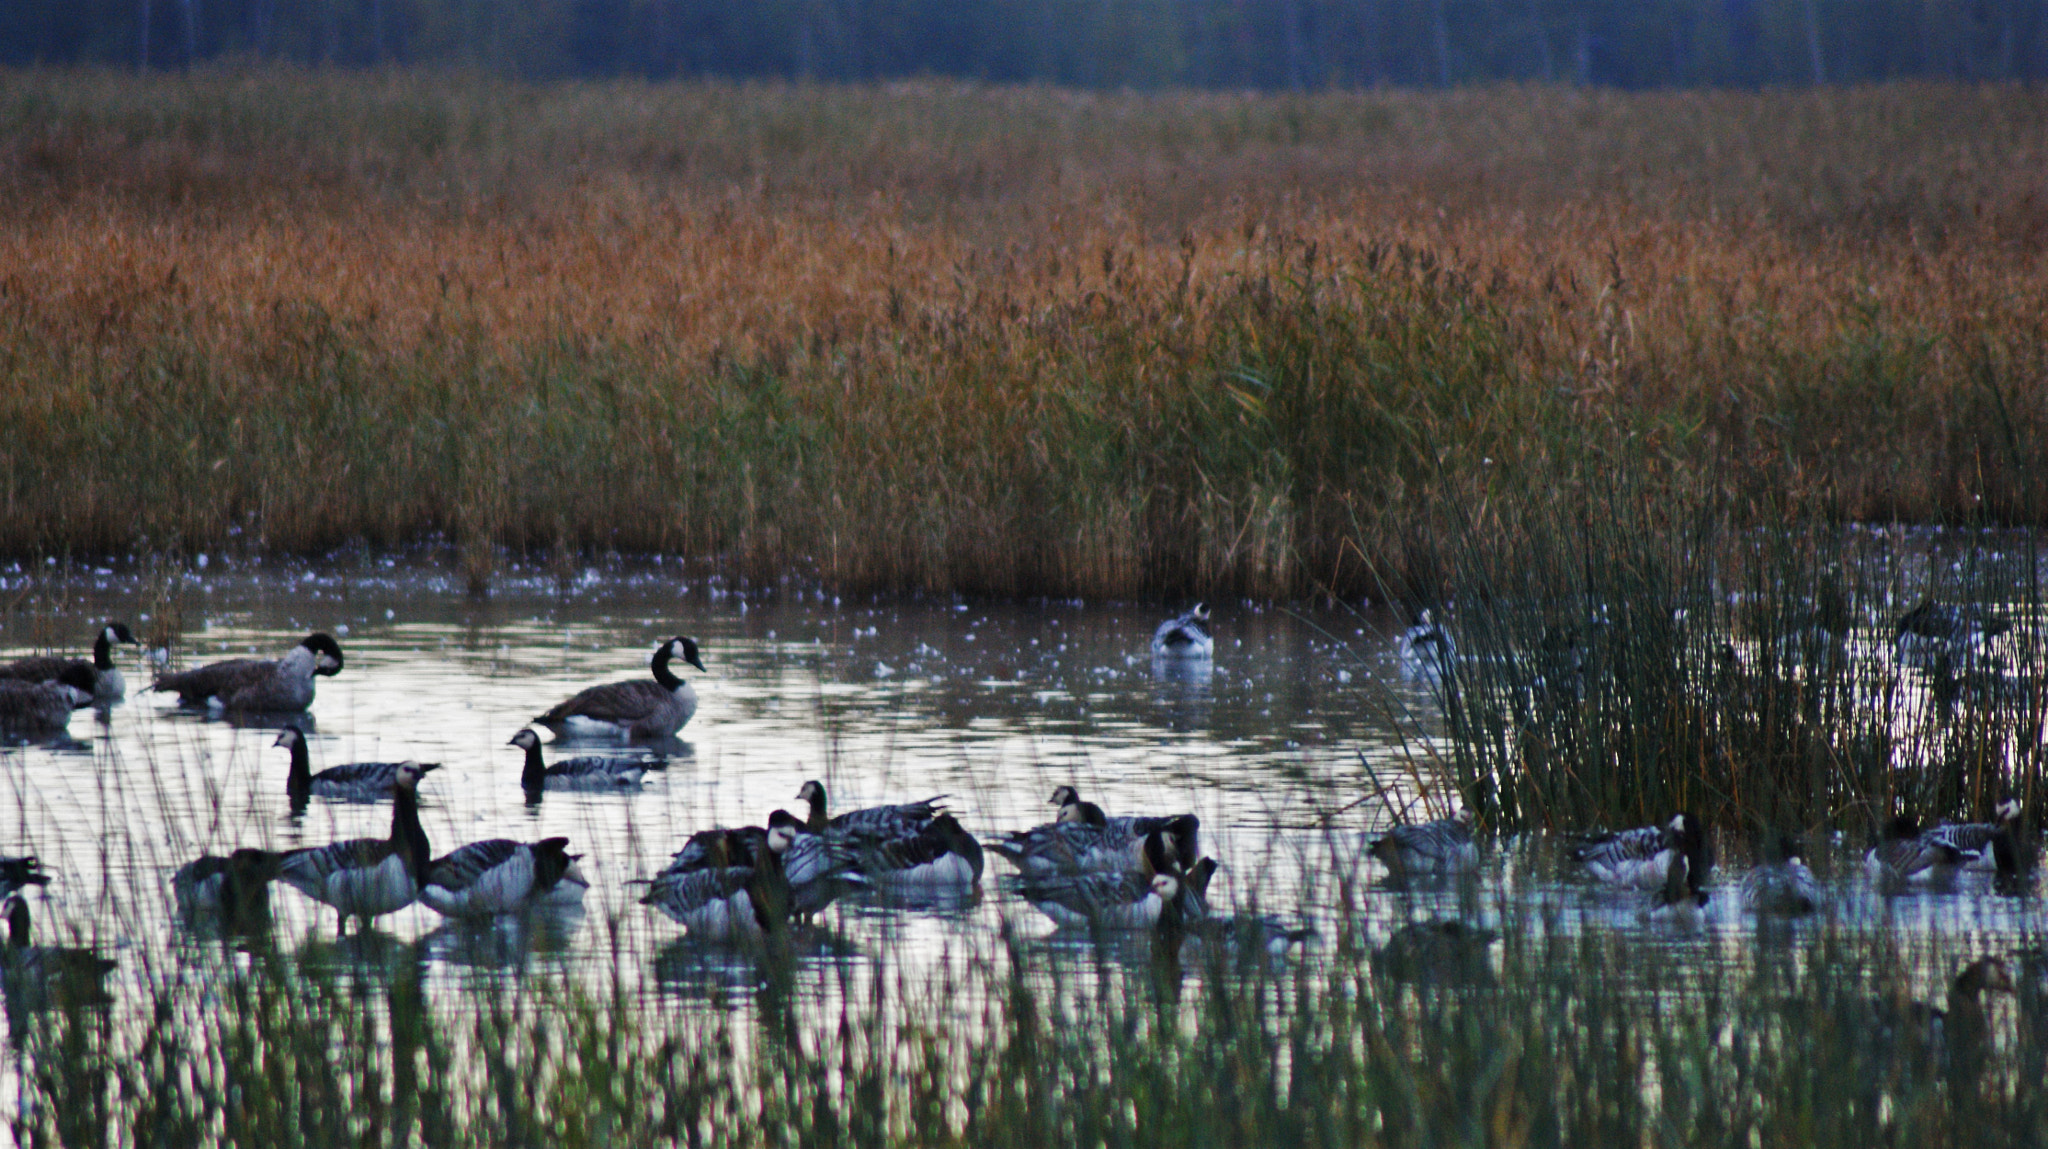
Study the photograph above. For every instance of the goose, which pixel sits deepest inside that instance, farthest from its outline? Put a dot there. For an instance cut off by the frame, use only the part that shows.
(1444, 846)
(41, 977)
(108, 685)
(499, 876)
(43, 709)
(368, 876)
(257, 684)
(354, 781)
(1907, 855)
(1641, 857)
(1186, 636)
(1979, 842)
(818, 869)
(940, 855)
(1782, 886)
(1683, 896)
(1085, 839)
(235, 887)
(1439, 952)
(587, 773)
(739, 893)
(886, 821)
(640, 710)
(1956, 1038)
(1425, 650)
(1936, 629)
(1156, 897)
(19, 873)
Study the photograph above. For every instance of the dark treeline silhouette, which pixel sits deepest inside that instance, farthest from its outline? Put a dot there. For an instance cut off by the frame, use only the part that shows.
(1096, 43)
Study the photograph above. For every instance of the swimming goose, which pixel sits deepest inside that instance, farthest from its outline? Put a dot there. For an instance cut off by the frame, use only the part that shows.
(1933, 629)
(368, 876)
(1782, 886)
(19, 873)
(1184, 637)
(1641, 857)
(641, 710)
(586, 773)
(259, 684)
(1085, 839)
(895, 821)
(1157, 896)
(939, 855)
(817, 869)
(1425, 650)
(234, 887)
(1444, 846)
(1683, 895)
(1980, 842)
(1956, 1038)
(1442, 952)
(1907, 855)
(108, 685)
(41, 977)
(354, 781)
(42, 709)
(741, 892)
(499, 876)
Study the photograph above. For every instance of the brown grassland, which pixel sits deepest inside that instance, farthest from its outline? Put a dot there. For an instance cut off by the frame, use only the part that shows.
(939, 336)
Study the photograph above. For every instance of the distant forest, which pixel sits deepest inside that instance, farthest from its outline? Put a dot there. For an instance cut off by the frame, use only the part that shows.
(1265, 44)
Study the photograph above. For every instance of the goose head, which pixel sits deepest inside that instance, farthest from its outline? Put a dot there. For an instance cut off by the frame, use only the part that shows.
(812, 791)
(685, 649)
(326, 653)
(290, 736)
(525, 740)
(407, 776)
(115, 632)
(80, 681)
(1064, 796)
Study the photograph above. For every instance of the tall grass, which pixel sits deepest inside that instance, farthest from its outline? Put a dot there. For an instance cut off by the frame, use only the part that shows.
(1005, 340)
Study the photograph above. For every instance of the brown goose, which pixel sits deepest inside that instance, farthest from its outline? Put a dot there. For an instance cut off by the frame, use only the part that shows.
(43, 709)
(642, 710)
(108, 685)
(258, 684)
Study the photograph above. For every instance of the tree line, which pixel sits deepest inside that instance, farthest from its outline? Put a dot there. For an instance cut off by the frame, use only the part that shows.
(1263, 44)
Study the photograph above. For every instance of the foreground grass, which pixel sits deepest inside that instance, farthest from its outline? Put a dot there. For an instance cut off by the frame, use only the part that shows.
(1000, 340)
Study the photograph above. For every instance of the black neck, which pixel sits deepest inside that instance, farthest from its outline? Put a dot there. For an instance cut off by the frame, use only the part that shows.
(406, 831)
(17, 925)
(301, 777)
(535, 776)
(816, 823)
(102, 653)
(662, 673)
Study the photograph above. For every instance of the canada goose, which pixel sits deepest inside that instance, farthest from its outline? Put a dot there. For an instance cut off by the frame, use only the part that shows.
(1783, 886)
(1085, 839)
(883, 821)
(1425, 650)
(235, 887)
(1935, 629)
(108, 685)
(259, 684)
(1641, 857)
(1443, 952)
(740, 893)
(42, 709)
(640, 710)
(1907, 855)
(1979, 842)
(354, 781)
(368, 876)
(498, 876)
(1157, 896)
(1444, 846)
(19, 873)
(587, 773)
(817, 869)
(43, 977)
(1184, 637)
(940, 854)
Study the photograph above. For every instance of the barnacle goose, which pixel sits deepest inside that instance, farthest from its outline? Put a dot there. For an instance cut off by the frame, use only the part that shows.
(1085, 839)
(1782, 886)
(817, 868)
(1444, 846)
(1425, 650)
(499, 876)
(939, 855)
(1157, 896)
(42, 977)
(887, 821)
(1683, 895)
(1641, 857)
(234, 887)
(368, 876)
(1934, 630)
(1989, 845)
(19, 873)
(108, 685)
(258, 684)
(641, 710)
(354, 781)
(591, 772)
(740, 892)
(1907, 855)
(42, 709)
(1186, 636)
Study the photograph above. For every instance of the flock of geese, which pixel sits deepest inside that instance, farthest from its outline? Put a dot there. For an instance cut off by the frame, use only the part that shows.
(746, 883)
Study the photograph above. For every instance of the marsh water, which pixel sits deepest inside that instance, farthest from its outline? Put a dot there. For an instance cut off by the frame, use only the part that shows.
(1300, 738)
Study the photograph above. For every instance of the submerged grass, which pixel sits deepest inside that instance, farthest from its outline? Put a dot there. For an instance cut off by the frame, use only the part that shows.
(933, 336)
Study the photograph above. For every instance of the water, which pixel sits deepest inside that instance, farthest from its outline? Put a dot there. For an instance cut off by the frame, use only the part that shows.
(990, 705)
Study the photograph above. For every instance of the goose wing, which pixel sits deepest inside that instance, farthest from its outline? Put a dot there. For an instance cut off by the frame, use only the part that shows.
(619, 702)
(310, 868)
(41, 667)
(887, 821)
(218, 680)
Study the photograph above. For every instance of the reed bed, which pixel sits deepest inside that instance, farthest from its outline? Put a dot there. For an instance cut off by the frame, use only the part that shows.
(935, 336)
